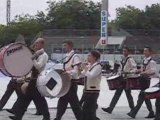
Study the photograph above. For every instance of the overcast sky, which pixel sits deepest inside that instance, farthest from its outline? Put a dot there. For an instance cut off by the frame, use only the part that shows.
(32, 6)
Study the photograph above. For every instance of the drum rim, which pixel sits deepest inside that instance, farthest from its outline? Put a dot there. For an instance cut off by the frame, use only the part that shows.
(10, 75)
(113, 76)
(59, 94)
(1, 70)
(158, 89)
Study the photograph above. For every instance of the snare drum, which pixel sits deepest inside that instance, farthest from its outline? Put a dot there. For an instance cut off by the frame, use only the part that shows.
(15, 60)
(115, 82)
(137, 83)
(152, 93)
(53, 83)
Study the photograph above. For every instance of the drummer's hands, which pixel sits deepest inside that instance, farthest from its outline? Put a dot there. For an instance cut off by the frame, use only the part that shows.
(86, 68)
(138, 71)
(143, 73)
(68, 69)
(37, 54)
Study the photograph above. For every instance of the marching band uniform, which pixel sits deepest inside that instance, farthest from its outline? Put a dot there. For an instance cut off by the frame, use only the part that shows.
(91, 91)
(32, 92)
(127, 65)
(157, 104)
(12, 86)
(22, 87)
(149, 67)
(72, 68)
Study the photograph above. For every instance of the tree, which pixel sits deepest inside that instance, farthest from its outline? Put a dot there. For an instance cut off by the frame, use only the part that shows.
(41, 19)
(73, 14)
(128, 17)
(22, 24)
(152, 17)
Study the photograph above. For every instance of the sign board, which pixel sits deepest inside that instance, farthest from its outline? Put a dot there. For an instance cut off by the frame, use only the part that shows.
(104, 20)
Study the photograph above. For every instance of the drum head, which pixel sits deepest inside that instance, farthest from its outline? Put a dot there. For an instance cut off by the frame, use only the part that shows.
(113, 77)
(152, 89)
(17, 60)
(49, 83)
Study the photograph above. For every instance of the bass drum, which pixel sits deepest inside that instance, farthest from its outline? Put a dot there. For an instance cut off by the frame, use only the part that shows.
(53, 83)
(15, 60)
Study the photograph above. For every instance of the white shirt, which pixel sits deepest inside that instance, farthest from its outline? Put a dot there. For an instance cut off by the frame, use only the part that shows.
(71, 65)
(151, 68)
(93, 75)
(130, 65)
(40, 63)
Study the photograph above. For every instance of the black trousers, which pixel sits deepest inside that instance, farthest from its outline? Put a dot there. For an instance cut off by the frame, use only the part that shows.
(11, 87)
(24, 100)
(35, 101)
(82, 99)
(140, 101)
(117, 95)
(72, 98)
(157, 104)
(89, 106)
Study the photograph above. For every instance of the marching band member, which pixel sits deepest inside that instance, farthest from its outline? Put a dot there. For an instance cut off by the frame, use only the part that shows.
(128, 65)
(157, 104)
(40, 59)
(12, 86)
(92, 86)
(71, 66)
(23, 83)
(149, 71)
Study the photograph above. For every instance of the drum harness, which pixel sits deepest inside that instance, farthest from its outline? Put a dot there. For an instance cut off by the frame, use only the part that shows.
(123, 63)
(145, 65)
(74, 80)
(65, 63)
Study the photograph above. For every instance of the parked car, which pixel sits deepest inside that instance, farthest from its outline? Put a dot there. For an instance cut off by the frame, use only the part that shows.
(106, 66)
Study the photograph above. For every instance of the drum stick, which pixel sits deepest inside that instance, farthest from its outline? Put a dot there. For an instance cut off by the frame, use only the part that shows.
(128, 73)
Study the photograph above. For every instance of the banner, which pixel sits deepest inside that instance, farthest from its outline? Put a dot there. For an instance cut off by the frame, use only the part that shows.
(104, 21)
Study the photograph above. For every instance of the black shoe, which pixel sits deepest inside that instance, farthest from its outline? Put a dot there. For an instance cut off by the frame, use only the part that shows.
(157, 119)
(10, 111)
(14, 118)
(130, 115)
(97, 118)
(56, 119)
(38, 113)
(46, 118)
(108, 110)
(150, 115)
(97, 106)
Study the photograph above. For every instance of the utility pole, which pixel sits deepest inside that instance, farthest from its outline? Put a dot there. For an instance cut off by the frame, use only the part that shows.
(8, 11)
(104, 22)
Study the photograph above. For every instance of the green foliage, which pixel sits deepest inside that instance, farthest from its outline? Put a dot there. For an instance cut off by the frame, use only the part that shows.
(152, 17)
(130, 17)
(25, 25)
(69, 14)
(73, 14)
(78, 14)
